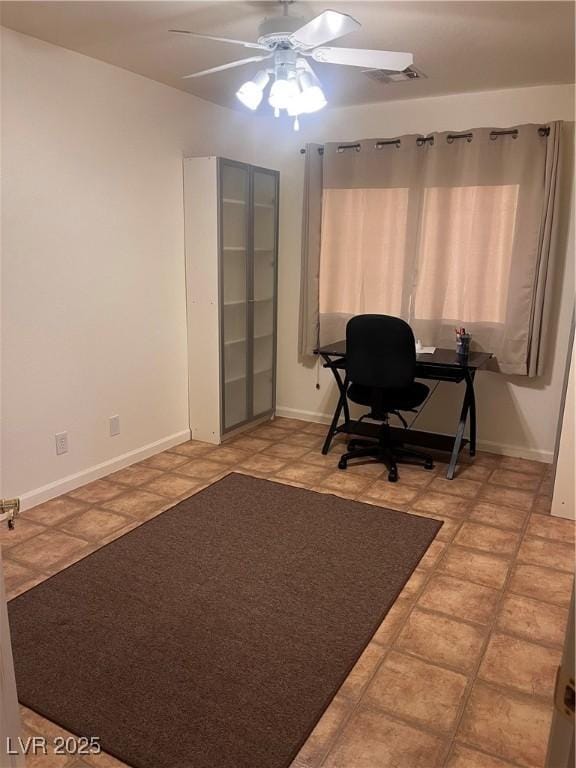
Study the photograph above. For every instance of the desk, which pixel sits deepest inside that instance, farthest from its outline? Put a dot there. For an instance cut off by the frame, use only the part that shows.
(441, 365)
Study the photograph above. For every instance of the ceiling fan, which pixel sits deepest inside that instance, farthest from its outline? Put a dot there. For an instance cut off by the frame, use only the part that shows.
(288, 42)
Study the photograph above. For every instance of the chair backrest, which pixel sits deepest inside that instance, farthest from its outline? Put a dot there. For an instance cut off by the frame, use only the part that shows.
(380, 351)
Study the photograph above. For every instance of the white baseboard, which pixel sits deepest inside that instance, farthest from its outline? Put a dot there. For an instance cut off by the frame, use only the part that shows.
(69, 483)
(517, 451)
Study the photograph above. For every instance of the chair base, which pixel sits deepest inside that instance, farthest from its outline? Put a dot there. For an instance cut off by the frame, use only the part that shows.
(387, 454)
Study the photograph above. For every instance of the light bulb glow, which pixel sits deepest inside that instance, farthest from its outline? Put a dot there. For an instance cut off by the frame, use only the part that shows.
(282, 92)
(311, 97)
(251, 92)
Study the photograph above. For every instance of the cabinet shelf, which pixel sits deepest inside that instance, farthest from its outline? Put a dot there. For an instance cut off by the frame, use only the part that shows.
(234, 201)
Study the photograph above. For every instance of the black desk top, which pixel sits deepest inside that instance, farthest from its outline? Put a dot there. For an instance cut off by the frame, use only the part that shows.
(440, 357)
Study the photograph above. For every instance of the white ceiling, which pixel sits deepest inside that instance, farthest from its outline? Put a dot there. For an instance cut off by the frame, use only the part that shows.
(460, 46)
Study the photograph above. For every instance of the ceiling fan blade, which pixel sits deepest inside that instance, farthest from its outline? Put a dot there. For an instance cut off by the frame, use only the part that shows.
(358, 57)
(327, 26)
(220, 39)
(222, 67)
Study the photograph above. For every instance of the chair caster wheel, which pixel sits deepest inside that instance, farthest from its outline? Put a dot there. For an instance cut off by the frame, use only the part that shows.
(428, 464)
(393, 476)
(342, 464)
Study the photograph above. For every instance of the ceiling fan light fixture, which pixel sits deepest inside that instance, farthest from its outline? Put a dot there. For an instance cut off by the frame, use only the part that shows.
(311, 97)
(283, 92)
(251, 92)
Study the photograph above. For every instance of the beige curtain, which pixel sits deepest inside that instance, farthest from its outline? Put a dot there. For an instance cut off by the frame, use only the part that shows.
(447, 230)
(310, 269)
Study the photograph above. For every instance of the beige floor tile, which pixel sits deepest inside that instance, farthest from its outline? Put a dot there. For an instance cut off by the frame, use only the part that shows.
(317, 744)
(509, 497)
(473, 472)
(136, 503)
(305, 439)
(319, 460)
(54, 511)
(267, 432)
(464, 757)
(432, 555)
(551, 554)
(202, 469)
(369, 467)
(173, 486)
(542, 505)
(135, 475)
(523, 465)
(47, 549)
(551, 528)
(393, 621)
(442, 504)
(362, 671)
(301, 473)
(167, 461)
(262, 463)
(375, 740)
(24, 529)
(487, 538)
(286, 451)
(515, 663)
(475, 566)
(97, 492)
(315, 428)
(416, 476)
(193, 448)
(511, 726)
(441, 640)
(512, 479)
(542, 584)
(15, 573)
(394, 495)
(249, 443)
(346, 483)
(94, 524)
(498, 516)
(415, 690)
(414, 584)
(450, 526)
(228, 454)
(285, 422)
(25, 586)
(467, 489)
(533, 620)
(460, 599)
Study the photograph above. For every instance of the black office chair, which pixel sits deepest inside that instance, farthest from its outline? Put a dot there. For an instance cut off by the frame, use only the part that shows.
(380, 369)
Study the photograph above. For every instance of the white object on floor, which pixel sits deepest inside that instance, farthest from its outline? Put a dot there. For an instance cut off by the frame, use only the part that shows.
(420, 350)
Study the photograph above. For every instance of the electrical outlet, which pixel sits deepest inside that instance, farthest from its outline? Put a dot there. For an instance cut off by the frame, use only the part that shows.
(114, 422)
(61, 443)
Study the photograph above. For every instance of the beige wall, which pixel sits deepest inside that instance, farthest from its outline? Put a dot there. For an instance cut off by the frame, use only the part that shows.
(93, 293)
(516, 415)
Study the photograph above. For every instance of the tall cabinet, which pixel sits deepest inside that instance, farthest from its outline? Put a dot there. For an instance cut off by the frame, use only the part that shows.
(231, 233)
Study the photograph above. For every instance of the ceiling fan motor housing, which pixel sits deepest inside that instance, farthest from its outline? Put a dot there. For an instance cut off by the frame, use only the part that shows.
(277, 30)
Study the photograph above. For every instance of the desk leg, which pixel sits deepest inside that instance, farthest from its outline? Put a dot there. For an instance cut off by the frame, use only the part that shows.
(342, 405)
(470, 388)
(466, 405)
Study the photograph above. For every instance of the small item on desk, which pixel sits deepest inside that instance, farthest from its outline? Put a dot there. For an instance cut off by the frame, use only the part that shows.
(462, 343)
(420, 350)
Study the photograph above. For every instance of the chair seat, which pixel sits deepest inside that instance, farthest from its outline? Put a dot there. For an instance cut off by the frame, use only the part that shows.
(393, 399)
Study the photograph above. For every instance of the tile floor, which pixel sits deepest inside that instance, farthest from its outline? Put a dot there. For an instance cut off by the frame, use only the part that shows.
(460, 673)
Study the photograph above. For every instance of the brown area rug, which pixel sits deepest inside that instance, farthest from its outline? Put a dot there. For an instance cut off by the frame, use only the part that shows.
(215, 635)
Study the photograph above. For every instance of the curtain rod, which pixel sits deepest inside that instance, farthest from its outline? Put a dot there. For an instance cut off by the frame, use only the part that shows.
(421, 140)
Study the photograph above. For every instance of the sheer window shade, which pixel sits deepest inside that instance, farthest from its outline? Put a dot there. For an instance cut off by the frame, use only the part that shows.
(443, 232)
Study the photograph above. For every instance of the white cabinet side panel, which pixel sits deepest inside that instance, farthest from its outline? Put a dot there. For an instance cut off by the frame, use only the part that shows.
(201, 235)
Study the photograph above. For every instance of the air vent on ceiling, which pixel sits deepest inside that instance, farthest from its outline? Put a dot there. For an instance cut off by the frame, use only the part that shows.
(385, 76)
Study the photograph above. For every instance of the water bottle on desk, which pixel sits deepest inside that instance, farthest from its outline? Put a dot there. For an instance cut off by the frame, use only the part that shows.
(462, 343)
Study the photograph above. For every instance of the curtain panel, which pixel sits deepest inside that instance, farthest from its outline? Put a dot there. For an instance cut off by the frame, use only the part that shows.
(446, 230)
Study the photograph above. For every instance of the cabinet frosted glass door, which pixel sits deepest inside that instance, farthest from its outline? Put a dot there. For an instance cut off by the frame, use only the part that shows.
(235, 208)
(264, 187)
